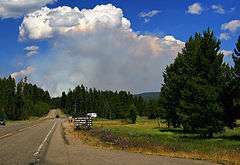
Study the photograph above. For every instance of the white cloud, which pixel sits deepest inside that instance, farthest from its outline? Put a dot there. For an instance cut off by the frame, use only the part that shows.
(227, 52)
(97, 47)
(31, 50)
(148, 15)
(195, 8)
(25, 72)
(224, 36)
(218, 9)
(230, 29)
(18, 8)
(47, 22)
(231, 26)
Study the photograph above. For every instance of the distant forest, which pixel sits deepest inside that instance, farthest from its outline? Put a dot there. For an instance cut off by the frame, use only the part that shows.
(19, 101)
(107, 104)
(149, 95)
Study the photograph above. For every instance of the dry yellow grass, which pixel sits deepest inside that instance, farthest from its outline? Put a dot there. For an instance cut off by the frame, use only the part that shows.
(141, 123)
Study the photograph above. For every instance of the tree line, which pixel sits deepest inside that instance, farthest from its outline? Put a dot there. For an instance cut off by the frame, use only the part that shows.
(200, 92)
(107, 104)
(19, 101)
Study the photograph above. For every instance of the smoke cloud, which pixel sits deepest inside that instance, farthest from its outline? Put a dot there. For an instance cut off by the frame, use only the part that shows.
(106, 55)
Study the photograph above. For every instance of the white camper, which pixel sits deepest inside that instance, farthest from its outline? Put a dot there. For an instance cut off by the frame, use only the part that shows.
(93, 115)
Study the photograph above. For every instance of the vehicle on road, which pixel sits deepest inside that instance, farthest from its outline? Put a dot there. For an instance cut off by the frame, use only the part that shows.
(2, 121)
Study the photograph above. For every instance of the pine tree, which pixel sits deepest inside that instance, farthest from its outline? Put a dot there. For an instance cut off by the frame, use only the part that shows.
(227, 97)
(152, 109)
(231, 92)
(133, 113)
(63, 100)
(191, 93)
(236, 58)
(236, 83)
(9, 97)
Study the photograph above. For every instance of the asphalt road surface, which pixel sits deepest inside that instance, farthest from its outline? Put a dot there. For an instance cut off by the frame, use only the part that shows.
(8, 130)
(42, 142)
(19, 142)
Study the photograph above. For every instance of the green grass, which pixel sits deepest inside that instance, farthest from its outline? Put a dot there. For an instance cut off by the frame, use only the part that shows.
(183, 142)
(225, 146)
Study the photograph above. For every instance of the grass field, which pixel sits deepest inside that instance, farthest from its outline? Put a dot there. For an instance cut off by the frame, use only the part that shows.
(151, 137)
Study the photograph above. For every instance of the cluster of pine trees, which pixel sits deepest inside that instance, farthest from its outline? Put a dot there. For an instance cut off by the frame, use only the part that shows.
(107, 104)
(19, 101)
(201, 92)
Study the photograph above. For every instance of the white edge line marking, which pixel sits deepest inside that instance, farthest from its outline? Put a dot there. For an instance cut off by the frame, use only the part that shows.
(6, 135)
(44, 141)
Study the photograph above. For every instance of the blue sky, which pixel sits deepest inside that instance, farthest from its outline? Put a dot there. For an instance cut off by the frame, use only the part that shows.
(171, 18)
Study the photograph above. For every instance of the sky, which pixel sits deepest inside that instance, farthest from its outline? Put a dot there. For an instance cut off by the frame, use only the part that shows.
(106, 44)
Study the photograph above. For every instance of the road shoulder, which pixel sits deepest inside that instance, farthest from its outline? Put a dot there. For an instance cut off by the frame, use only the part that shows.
(56, 151)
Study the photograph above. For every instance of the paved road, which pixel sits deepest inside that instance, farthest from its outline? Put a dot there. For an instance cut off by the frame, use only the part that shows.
(20, 126)
(19, 142)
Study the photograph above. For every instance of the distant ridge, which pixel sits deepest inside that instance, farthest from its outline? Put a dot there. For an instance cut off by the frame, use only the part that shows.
(149, 95)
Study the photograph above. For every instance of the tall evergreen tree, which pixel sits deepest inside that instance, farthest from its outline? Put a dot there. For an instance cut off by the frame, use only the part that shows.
(191, 93)
(231, 92)
(227, 97)
(236, 91)
(236, 58)
(63, 100)
(133, 113)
